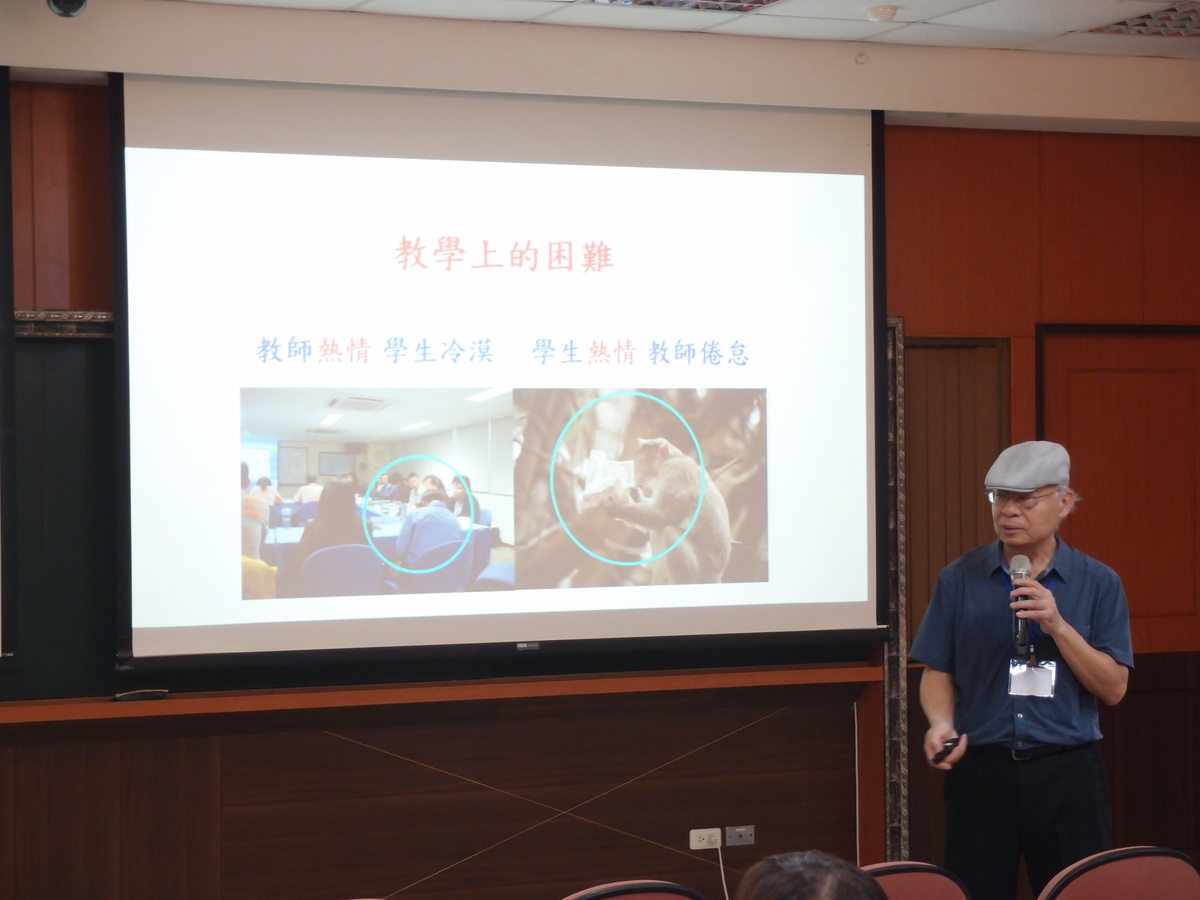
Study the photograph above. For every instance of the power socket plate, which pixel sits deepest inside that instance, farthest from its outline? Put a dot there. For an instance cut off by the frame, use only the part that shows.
(704, 838)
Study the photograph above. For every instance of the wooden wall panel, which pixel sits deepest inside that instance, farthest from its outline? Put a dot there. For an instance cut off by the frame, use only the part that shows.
(519, 801)
(170, 817)
(21, 132)
(1152, 742)
(1023, 389)
(499, 799)
(1091, 228)
(1172, 199)
(62, 197)
(66, 807)
(955, 413)
(1128, 407)
(872, 779)
(956, 399)
(962, 230)
(8, 828)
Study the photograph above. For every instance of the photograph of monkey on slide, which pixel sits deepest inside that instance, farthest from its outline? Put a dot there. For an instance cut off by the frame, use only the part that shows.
(640, 487)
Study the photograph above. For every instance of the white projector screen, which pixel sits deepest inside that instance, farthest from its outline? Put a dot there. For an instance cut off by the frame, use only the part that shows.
(320, 278)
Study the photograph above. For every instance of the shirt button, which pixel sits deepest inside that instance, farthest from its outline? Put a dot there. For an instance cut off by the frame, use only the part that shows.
(1020, 715)
(1020, 743)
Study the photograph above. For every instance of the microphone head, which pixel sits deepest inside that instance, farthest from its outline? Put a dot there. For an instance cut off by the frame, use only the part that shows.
(1020, 567)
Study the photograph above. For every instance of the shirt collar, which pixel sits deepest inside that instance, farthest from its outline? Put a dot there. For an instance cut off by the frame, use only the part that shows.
(1060, 564)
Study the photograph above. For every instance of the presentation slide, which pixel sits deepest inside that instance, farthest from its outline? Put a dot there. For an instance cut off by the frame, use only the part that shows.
(493, 402)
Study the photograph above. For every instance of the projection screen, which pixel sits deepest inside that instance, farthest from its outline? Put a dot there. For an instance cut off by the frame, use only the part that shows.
(643, 331)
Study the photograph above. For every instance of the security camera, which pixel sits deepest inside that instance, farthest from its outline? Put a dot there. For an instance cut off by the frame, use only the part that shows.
(66, 8)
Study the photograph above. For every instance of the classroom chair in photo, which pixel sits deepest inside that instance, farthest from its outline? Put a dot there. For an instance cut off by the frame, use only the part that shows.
(1128, 872)
(912, 880)
(638, 889)
(481, 551)
(448, 578)
(485, 518)
(306, 512)
(344, 570)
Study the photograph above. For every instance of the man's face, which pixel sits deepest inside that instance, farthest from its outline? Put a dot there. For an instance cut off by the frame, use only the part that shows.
(1023, 521)
(414, 482)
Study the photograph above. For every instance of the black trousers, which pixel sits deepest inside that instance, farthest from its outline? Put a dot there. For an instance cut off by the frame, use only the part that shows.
(1052, 811)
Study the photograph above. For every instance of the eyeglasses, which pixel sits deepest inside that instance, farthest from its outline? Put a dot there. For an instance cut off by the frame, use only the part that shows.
(1025, 501)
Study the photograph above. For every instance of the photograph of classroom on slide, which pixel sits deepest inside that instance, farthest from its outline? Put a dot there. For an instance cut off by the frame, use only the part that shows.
(375, 491)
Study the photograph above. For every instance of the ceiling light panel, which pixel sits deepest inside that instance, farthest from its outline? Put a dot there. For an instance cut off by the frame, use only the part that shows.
(1181, 20)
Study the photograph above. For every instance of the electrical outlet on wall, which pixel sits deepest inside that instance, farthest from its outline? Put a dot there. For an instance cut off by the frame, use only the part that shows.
(704, 838)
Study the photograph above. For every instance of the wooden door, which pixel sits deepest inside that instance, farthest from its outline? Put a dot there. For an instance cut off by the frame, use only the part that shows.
(1125, 404)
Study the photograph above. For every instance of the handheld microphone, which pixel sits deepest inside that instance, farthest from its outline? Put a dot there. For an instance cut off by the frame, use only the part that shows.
(1020, 568)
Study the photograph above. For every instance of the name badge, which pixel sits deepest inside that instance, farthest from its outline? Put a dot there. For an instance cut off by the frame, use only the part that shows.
(1035, 680)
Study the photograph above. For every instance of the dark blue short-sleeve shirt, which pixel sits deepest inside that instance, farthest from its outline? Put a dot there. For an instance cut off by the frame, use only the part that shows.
(967, 633)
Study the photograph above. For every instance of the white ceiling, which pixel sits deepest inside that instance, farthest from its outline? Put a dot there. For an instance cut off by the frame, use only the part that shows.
(296, 415)
(1060, 26)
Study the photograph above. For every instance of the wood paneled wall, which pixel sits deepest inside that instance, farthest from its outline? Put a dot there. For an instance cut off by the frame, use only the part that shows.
(989, 233)
(62, 197)
(507, 800)
(991, 236)
(524, 799)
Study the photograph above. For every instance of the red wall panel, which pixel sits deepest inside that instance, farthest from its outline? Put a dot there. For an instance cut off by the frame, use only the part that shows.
(1170, 238)
(62, 197)
(962, 230)
(1091, 228)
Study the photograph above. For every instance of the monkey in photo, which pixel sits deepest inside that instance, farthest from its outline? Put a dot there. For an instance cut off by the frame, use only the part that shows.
(664, 502)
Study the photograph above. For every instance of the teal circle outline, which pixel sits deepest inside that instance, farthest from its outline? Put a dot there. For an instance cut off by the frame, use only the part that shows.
(371, 538)
(554, 461)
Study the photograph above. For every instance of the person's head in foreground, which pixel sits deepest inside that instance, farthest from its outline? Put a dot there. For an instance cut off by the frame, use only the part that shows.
(807, 875)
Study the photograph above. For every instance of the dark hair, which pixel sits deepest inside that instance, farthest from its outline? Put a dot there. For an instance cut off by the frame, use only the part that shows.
(436, 482)
(807, 875)
(463, 480)
(431, 496)
(337, 500)
(264, 481)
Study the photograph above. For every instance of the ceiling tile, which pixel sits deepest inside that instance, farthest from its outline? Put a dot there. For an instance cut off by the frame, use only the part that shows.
(1049, 17)
(650, 18)
(856, 10)
(957, 36)
(810, 29)
(487, 10)
(1122, 45)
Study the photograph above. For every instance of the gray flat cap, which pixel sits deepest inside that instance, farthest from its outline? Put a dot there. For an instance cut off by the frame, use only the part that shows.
(1028, 466)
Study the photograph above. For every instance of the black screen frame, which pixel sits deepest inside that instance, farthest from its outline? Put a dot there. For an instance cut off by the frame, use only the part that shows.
(307, 668)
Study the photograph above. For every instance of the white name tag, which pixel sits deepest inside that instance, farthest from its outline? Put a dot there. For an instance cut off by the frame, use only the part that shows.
(1031, 681)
